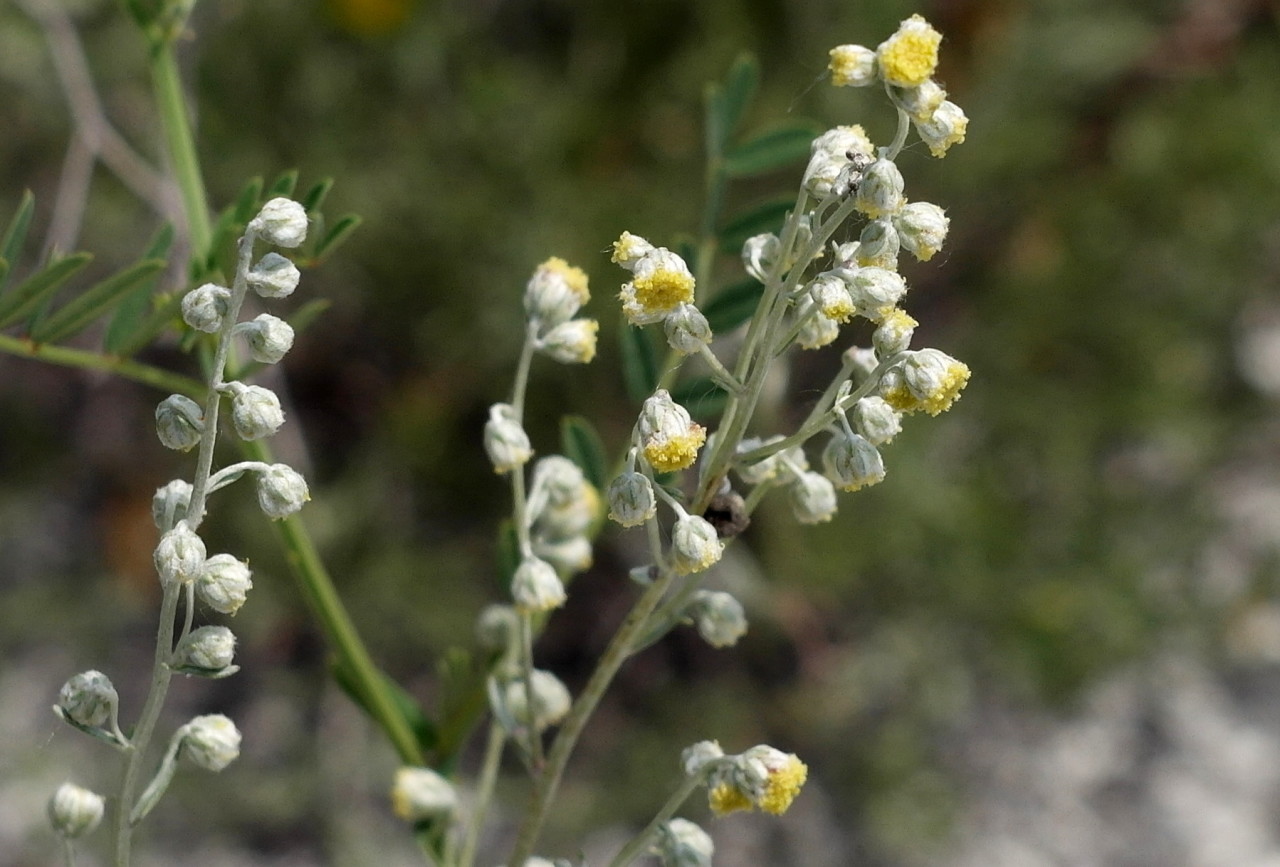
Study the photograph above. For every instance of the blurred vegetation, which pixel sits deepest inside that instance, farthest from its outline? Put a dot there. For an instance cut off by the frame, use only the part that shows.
(1114, 216)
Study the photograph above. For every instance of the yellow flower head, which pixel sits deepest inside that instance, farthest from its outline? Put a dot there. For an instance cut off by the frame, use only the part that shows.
(725, 799)
(629, 249)
(575, 278)
(669, 440)
(762, 777)
(852, 66)
(909, 57)
(928, 380)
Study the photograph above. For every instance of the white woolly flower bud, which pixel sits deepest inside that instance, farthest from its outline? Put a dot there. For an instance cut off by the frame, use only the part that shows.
(876, 420)
(572, 342)
(536, 587)
(852, 66)
(205, 307)
(206, 649)
(669, 440)
(878, 245)
(282, 222)
(696, 757)
(823, 172)
(759, 253)
(269, 337)
(179, 423)
(255, 411)
(224, 584)
(631, 499)
(695, 546)
(555, 292)
(169, 504)
(922, 226)
(876, 291)
(687, 329)
(843, 141)
(629, 249)
(813, 498)
(419, 794)
(281, 491)
(944, 128)
(894, 333)
(551, 702)
(909, 57)
(88, 699)
(852, 462)
(880, 191)
(273, 277)
(816, 329)
(505, 441)
(682, 843)
(496, 627)
(927, 379)
(561, 482)
(75, 811)
(831, 296)
(180, 555)
(762, 470)
(919, 102)
(211, 742)
(568, 556)
(864, 360)
(719, 617)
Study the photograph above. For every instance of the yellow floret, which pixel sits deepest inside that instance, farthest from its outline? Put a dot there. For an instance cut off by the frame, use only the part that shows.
(726, 799)
(663, 290)
(783, 786)
(948, 392)
(575, 278)
(909, 57)
(675, 452)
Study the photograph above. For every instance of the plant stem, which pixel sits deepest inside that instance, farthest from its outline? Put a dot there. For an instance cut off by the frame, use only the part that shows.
(174, 118)
(636, 846)
(82, 359)
(484, 792)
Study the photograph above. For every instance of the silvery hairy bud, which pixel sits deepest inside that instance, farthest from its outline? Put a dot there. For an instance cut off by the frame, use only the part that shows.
(205, 307)
(631, 499)
(682, 843)
(505, 441)
(169, 504)
(555, 292)
(274, 276)
(876, 420)
(74, 811)
(687, 329)
(879, 244)
(224, 583)
(922, 226)
(536, 587)
(510, 702)
(206, 650)
(813, 498)
(572, 342)
(180, 555)
(419, 794)
(894, 333)
(211, 742)
(281, 491)
(876, 291)
(719, 617)
(179, 423)
(269, 338)
(255, 411)
(759, 252)
(695, 545)
(282, 222)
(496, 627)
(852, 462)
(696, 757)
(880, 190)
(88, 699)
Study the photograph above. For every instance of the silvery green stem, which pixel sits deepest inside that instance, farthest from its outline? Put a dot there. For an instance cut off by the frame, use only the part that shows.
(526, 674)
(637, 845)
(484, 793)
(900, 139)
(159, 783)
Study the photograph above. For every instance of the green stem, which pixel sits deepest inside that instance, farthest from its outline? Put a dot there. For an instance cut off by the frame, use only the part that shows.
(484, 793)
(85, 360)
(546, 785)
(636, 847)
(174, 118)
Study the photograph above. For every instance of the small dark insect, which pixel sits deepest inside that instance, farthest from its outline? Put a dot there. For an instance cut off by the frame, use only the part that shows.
(728, 514)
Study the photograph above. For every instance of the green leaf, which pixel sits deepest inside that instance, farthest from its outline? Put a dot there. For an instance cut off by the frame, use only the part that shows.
(765, 217)
(639, 362)
(247, 203)
(581, 443)
(338, 234)
(508, 551)
(80, 312)
(164, 314)
(727, 103)
(313, 198)
(283, 185)
(406, 705)
(132, 311)
(773, 149)
(701, 396)
(228, 225)
(463, 702)
(733, 305)
(16, 233)
(32, 292)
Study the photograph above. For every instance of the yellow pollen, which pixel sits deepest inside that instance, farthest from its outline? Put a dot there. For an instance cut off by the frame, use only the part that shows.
(909, 57)
(949, 390)
(675, 452)
(783, 786)
(663, 290)
(725, 799)
(575, 278)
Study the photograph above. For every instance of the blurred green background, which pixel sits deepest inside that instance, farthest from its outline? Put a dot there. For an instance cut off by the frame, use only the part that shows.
(1105, 497)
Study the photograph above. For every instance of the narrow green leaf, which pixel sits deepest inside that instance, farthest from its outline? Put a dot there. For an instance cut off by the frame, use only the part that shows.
(4, 270)
(16, 233)
(81, 312)
(773, 149)
(313, 198)
(338, 234)
(733, 305)
(132, 311)
(406, 705)
(639, 362)
(701, 396)
(247, 203)
(765, 217)
(162, 316)
(27, 297)
(726, 104)
(283, 185)
(581, 443)
(463, 702)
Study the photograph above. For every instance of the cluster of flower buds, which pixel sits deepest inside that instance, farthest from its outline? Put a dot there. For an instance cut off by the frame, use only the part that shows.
(761, 778)
(905, 63)
(522, 706)
(661, 289)
(555, 292)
